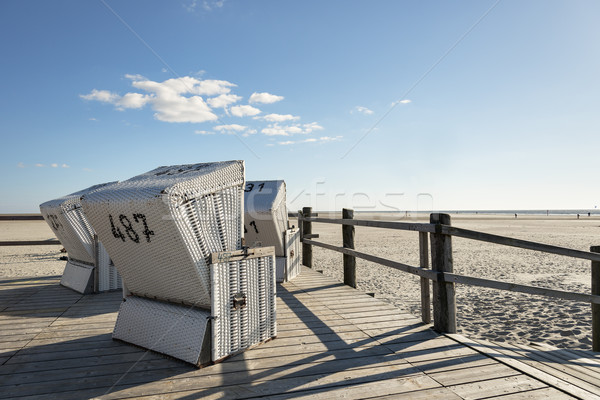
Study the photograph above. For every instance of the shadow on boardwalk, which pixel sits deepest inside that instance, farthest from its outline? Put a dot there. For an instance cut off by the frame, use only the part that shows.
(332, 341)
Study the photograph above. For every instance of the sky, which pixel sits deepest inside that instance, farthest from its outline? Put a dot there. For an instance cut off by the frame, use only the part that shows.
(374, 105)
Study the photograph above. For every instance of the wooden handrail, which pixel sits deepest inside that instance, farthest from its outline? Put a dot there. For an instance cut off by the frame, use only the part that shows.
(442, 275)
(464, 233)
(29, 242)
(522, 244)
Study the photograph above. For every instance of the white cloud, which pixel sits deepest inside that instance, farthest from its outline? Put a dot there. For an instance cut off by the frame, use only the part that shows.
(264, 98)
(405, 101)
(182, 109)
(65, 166)
(249, 132)
(204, 132)
(323, 139)
(223, 100)
(20, 165)
(244, 111)
(280, 117)
(101, 95)
(93, 119)
(276, 130)
(193, 100)
(137, 77)
(133, 100)
(207, 5)
(40, 165)
(330, 138)
(168, 99)
(313, 126)
(230, 129)
(362, 110)
(54, 165)
(288, 130)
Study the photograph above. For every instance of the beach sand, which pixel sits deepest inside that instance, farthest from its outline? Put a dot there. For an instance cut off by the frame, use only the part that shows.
(482, 313)
(29, 261)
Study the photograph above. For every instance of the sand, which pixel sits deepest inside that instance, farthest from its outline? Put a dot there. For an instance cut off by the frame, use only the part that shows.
(29, 261)
(482, 313)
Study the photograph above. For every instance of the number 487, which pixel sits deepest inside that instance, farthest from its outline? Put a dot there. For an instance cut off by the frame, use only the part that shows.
(129, 229)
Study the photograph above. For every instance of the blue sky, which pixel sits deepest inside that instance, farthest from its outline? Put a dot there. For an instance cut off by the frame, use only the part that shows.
(478, 104)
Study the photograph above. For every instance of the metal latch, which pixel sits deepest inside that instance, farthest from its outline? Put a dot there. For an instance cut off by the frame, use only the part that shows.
(239, 301)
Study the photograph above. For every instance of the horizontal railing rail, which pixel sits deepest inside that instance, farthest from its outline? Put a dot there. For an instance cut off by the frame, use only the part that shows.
(29, 242)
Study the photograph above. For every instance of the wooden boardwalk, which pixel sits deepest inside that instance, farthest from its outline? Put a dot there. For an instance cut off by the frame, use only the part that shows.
(333, 342)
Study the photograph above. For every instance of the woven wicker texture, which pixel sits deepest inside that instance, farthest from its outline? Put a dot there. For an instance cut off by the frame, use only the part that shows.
(265, 214)
(236, 329)
(67, 220)
(71, 226)
(165, 328)
(161, 227)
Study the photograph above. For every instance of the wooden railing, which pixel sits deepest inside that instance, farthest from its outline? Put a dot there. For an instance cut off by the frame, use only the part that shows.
(441, 274)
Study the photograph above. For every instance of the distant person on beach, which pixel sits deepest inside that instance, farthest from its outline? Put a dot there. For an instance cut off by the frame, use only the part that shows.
(577, 216)
(515, 215)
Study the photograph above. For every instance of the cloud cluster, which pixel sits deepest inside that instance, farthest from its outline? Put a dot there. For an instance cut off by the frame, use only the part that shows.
(191, 99)
(362, 110)
(175, 100)
(40, 165)
(322, 139)
(289, 130)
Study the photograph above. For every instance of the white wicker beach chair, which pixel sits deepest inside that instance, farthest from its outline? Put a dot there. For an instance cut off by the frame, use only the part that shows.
(161, 229)
(266, 224)
(89, 268)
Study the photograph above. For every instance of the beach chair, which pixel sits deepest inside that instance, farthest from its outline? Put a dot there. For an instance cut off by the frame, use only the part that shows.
(89, 269)
(266, 224)
(175, 234)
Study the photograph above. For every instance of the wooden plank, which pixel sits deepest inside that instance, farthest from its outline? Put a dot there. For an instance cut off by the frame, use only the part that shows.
(389, 263)
(595, 307)
(323, 376)
(21, 217)
(548, 358)
(427, 394)
(29, 242)
(499, 386)
(538, 371)
(78, 363)
(475, 374)
(306, 229)
(514, 287)
(523, 244)
(348, 243)
(374, 390)
(541, 394)
(404, 226)
(424, 264)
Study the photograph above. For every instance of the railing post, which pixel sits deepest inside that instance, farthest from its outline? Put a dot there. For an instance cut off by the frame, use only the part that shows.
(424, 263)
(348, 240)
(306, 230)
(444, 302)
(595, 307)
